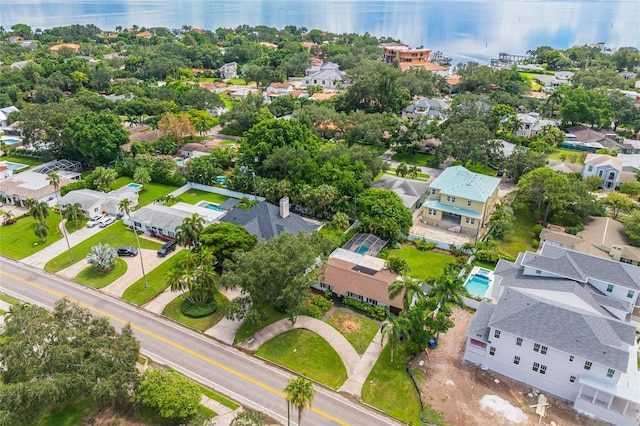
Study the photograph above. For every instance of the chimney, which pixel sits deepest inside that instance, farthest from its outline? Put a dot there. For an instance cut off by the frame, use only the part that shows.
(284, 207)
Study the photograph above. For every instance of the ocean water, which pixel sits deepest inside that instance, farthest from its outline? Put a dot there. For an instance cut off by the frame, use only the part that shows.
(465, 30)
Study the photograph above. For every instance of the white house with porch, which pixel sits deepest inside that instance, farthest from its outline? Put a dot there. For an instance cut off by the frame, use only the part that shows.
(562, 324)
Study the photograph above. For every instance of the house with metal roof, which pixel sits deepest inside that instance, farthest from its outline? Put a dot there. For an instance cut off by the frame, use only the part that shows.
(562, 323)
(460, 200)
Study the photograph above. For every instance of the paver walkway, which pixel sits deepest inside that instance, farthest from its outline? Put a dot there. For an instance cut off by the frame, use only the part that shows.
(41, 258)
(354, 383)
(338, 342)
(134, 270)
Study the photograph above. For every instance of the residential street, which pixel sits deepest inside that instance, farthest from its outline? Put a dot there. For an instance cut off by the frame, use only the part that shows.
(226, 369)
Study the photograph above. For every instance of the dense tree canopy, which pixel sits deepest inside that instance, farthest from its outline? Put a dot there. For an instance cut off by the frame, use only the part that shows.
(97, 137)
(382, 213)
(51, 358)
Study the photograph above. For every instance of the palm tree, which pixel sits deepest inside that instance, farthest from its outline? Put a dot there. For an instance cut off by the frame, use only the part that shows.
(41, 230)
(102, 257)
(408, 287)
(73, 213)
(414, 171)
(141, 175)
(402, 169)
(393, 328)
(8, 218)
(188, 234)
(54, 180)
(196, 276)
(448, 288)
(125, 205)
(299, 393)
(38, 209)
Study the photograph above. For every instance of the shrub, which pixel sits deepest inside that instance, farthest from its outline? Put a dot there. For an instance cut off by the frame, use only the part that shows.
(537, 229)
(81, 184)
(535, 243)
(196, 310)
(316, 306)
(573, 230)
(375, 312)
(328, 295)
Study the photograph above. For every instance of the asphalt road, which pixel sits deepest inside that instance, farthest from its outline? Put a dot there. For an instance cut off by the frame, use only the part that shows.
(231, 372)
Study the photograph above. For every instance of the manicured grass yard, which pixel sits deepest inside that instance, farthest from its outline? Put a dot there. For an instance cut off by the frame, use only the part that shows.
(217, 397)
(569, 154)
(31, 162)
(18, 240)
(358, 330)
(419, 159)
(390, 389)
(193, 196)
(172, 310)
(9, 299)
(114, 235)
(157, 279)
(96, 279)
(247, 330)
(521, 237)
(149, 193)
(423, 264)
(306, 353)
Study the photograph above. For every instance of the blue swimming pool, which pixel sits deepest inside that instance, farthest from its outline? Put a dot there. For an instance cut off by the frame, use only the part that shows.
(477, 285)
(362, 249)
(11, 141)
(133, 185)
(211, 206)
(13, 166)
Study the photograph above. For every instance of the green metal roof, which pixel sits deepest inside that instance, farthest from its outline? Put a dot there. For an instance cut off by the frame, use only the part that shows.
(448, 208)
(460, 182)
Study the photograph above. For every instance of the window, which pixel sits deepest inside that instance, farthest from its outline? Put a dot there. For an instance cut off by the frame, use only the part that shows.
(600, 173)
(612, 176)
(492, 351)
(543, 350)
(590, 168)
(543, 369)
(451, 199)
(536, 347)
(496, 334)
(469, 203)
(432, 212)
(516, 360)
(519, 341)
(610, 288)
(610, 373)
(469, 220)
(571, 358)
(630, 294)
(433, 192)
(587, 365)
(538, 272)
(572, 379)
(536, 367)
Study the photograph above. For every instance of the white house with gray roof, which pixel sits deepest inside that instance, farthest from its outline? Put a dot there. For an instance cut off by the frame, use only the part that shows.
(93, 202)
(562, 324)
(327, 76)
(159, 220)
(460, 200)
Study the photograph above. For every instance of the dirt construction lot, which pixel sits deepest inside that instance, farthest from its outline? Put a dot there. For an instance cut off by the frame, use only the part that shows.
(457, 388)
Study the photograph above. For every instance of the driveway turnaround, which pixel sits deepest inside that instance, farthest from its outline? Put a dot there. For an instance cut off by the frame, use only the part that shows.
(225, 369)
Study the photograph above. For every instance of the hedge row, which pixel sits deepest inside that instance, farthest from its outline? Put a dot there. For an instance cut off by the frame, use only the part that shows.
(375, 312)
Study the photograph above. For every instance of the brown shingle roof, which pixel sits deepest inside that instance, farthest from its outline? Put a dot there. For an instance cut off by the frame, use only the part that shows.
(340, 275)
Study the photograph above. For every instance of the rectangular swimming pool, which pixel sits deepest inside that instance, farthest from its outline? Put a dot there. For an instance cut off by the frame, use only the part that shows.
(13, 166)
(210, 206)
(477, 285)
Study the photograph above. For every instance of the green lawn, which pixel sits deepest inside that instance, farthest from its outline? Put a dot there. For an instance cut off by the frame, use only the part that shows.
(18, 240)
(172, 310)
(521, 237)
(219, 398)
(226, 100)
(247, 329)
(96, 279)
(9, 299)
(390, 389)
(70, 415)
(157, 279)
(423, 264)
(419, 159)
(568, 154)
(308, 354)
(193, 196)
(476, 168)
(358, 330)
(149, 193)
(114, 235)
(236, 81)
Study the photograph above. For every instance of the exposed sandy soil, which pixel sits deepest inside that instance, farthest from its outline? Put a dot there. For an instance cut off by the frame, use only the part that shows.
(455, 387)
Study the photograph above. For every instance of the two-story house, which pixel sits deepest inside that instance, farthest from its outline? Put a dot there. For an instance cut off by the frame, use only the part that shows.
(229, 71)
(532, 124)
(561, 324)
(460, 200)
(328, 76)
(277, 89)
(432, 109)
(604, 166)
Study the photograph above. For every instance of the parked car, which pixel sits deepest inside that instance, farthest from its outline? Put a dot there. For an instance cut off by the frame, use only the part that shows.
(127, 251)
(107, 221)
(167, 248)
(94, 221)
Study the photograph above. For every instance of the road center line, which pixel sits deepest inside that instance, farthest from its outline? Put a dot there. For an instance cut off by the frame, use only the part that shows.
(170, 343)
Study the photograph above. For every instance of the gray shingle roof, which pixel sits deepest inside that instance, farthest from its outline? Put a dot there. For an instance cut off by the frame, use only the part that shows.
(574, 331)
(581, 266)
(264, 221)
(161, 217)
(479, 326)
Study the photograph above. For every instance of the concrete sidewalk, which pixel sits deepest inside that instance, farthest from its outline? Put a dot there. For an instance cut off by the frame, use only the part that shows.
(161, 301)
(225, 415)
(354, 383)
(338, 342)
(225, 330)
